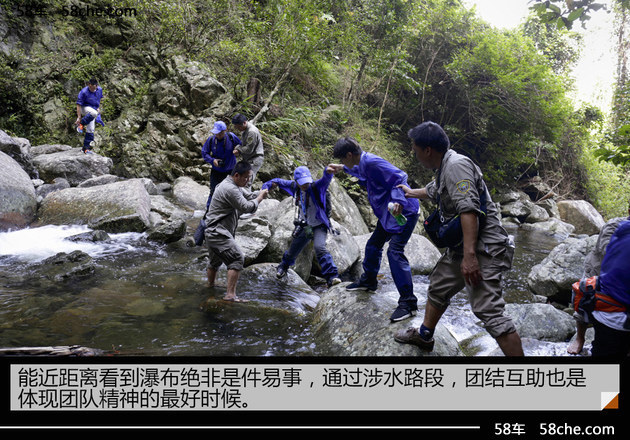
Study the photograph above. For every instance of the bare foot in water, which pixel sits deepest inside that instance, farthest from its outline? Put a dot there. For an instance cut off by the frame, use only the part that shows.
(576, 346)
(234, 299)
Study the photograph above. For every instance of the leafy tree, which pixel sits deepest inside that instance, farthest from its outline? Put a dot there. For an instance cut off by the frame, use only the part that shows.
(564, 13)
(511, 101)
(562, 47)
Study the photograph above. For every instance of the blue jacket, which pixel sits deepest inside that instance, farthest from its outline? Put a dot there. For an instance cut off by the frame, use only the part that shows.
(316, 191)
(615, 276)
(223, 150)
(89, 99)
(381, 179)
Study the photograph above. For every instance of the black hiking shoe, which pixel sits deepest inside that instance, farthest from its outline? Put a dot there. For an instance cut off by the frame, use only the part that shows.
(281, 272)
(402, 313)
(360, 287)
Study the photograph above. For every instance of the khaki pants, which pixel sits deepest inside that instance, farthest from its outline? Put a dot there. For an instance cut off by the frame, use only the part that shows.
(225, 251)
(486, 299)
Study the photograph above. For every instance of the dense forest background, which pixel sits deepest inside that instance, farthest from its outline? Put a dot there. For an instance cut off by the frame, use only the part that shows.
(309, 71)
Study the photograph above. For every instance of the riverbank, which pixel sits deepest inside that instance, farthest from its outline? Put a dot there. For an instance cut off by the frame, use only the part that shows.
(117, 264)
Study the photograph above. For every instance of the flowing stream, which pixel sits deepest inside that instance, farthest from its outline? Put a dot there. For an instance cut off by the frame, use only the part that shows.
(144, 299)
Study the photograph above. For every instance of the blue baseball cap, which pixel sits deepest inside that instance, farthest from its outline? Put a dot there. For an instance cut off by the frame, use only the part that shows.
(219, 126)
(302, 175)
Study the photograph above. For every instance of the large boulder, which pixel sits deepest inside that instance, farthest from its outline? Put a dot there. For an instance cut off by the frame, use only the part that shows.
(540, 321)
(357, 324)
(345, 211)
(561, 268)
(525, 211)
(342, 247)
(189, 87)
(18, 201)
(62, 266)
(116, 207)
(582, 215)
(47, 188)
(73, 165)
(252, 236)
(553, 227)
(421, 253)
(19, 150)
(168, 221)
(188, 192)
(535, 188)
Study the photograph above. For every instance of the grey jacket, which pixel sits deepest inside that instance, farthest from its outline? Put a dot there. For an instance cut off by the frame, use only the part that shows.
(252, 146)
(229, 201)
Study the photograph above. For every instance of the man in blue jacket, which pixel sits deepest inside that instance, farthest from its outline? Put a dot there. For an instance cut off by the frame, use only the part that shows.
(312, 221)
(381, 179)
(88, 112)
(218, 151)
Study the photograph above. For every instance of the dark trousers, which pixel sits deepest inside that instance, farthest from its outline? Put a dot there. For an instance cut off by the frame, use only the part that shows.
(216, 177)
(609, 341)
(89, 137)
(329, 270)
(398, 263)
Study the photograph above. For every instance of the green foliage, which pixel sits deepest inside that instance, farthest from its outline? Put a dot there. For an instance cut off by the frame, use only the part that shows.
(560, 46)
(94, 65)
(20, 95)
(564, 13)
(510, 102)
(617, 150)
(608, 185)
(366, 68)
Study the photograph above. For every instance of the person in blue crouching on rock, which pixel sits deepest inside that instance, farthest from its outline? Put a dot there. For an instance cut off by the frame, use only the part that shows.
(89, 113)
(312, 221)
(381, 179)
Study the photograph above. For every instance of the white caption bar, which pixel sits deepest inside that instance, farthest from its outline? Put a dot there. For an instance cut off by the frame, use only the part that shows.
(313, 387)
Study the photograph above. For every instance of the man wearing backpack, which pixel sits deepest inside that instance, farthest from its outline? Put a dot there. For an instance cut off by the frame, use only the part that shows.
(612, 328)
(218, 151)
(312, 221)
(482, 251)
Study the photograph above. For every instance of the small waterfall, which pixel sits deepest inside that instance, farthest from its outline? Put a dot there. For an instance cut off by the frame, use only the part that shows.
(33, 245)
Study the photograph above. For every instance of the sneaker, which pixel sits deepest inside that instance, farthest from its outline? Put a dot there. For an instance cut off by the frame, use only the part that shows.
(281, 272)
(333, 282)
(360, 287)
(401, 313)
(411, 336)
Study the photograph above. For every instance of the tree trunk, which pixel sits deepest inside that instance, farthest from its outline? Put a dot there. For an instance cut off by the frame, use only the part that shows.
(276, 89)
